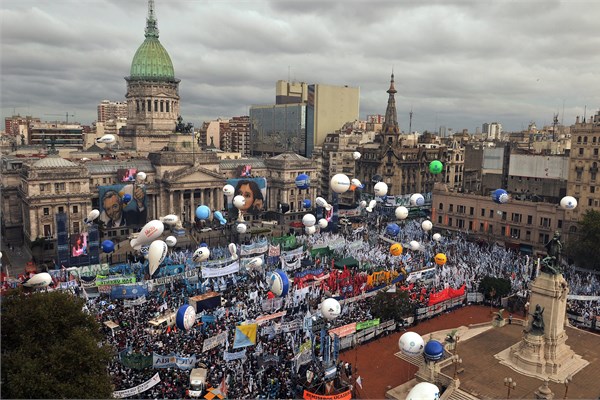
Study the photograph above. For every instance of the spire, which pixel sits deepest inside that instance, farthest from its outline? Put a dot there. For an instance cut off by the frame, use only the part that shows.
(151, 22)
(391, 120)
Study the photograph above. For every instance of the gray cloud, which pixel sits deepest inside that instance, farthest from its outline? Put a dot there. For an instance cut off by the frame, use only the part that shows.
(456, 63)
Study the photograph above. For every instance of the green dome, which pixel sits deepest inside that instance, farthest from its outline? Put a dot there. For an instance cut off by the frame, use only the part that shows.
(151, 61)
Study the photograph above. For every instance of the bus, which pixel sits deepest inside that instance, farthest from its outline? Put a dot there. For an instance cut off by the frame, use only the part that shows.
(426, 276)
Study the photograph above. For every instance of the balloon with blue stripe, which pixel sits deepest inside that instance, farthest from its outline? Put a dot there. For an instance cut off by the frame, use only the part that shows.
(279, 283)
(186, 317)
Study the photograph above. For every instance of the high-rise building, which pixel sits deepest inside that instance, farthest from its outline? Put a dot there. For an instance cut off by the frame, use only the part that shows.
(278, 128)
(239, 128)
(152, 93)
(58, 134)
(114, 110)
(19, 126)
(584, 183)
(290, 92)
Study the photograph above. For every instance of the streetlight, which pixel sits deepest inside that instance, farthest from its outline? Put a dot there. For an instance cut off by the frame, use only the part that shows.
(508, 382)
(456, 360)
(456, 338)
(568, 380)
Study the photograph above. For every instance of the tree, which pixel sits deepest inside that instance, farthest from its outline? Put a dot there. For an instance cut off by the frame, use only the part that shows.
(492, 287)
(51, 348)
(582, 246)
(396, 306)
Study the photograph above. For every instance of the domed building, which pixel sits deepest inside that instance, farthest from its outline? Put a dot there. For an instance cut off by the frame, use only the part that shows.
(152, 93)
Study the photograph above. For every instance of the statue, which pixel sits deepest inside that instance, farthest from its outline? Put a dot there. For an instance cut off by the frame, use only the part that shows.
(537, 325)
(499, 316)
(181, 127)
(551, 263)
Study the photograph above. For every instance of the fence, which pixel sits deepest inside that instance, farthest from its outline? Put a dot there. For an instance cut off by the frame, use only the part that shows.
(366, 334)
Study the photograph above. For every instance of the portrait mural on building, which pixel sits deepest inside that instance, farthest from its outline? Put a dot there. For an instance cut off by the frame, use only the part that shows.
(254, 191)
(122, 205)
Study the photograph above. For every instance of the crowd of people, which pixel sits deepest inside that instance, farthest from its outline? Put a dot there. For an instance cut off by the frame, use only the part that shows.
(270, 369)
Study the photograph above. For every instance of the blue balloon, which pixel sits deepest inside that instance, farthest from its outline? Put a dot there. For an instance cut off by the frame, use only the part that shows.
(180, 319)
(434, 350)
(202, 212)
(203, 245)
(219, 217)
(306, 203)
(500, 196)
(108, 246)
(126, 198)
(392, 229)
(303, 181)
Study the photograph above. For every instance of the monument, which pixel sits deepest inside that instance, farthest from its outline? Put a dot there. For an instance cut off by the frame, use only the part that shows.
(543, 352)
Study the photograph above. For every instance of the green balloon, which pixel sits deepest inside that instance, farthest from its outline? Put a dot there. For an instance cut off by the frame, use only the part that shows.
(435, 167)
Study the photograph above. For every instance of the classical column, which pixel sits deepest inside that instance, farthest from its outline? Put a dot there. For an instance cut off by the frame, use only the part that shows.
(201, 196)
(159, 202)
(171, 205)
(192, 206)
(181, 205)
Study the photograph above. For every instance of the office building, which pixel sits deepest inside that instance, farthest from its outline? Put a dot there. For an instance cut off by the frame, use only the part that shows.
(111, 110)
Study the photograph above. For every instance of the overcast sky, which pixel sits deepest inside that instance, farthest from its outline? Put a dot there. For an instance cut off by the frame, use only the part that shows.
(457, 63)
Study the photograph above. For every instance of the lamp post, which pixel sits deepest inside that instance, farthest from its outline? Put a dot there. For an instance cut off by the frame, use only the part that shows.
(568, 380)
(456, 339)
(510, 384)
(456, 360)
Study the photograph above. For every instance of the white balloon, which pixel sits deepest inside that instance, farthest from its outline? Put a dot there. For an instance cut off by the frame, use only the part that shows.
(309, 220)
(568, 202)
(149, 232)
(108, 139)
(228, 190)
(0, 255)
(362, 204)
(424, 391)
(356, 155)
(331, 309)
(411, 344)
(323, 223)
(310, 230)
(414, 245)
(401, 212)
(437, 237)
(426, 225)
(328, 207)
(239, 201)
(321, 202)
(156, 255)
(233, 251)
(39, 280)
(170, 219)
(241, 228)
(171, 241)
(201, 254)
(417, 199)
(141, 176)
(356, 183)
(256, 262)
(92, 216)
(381, 189)
(340, 183)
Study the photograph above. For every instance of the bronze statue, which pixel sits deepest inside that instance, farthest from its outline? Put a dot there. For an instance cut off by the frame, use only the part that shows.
(551, 263)
(499, 316)
(537, 324)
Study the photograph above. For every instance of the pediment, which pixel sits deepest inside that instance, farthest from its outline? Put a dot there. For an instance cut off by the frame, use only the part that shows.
(192, 175)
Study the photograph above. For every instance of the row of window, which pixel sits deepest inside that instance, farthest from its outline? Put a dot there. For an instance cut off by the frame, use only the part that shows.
(74, 187)
(159, 105)
(61, 209)
(595, 140)
(581, 151)
(514, 217)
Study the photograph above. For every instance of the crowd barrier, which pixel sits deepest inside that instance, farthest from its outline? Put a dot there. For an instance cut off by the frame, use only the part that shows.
(365, 335)
(431, 311)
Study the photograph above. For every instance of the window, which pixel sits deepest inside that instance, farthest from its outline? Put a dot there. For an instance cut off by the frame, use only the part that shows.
(441, 206)
(578, 177)
(516, 217)
(471, 210)
(529, 219)
(483, 212)
(470, 225)
(46, 211)
(61, 209)
(491, 228)
(76, 227)
(449, 221)
(592, 189)
(42, 187)
(75, 209)
(451, 208)
(47, 231)
(585, 140)
(439, 219)
(559, 226)
(515, 233)
(481, 227)
(491, 214)
(504, 215)
(596, 152)
(461, 223)
(545, 222)
(461, 209)
(581, 151)
(59, 187)
(528, 235)
(543, 238)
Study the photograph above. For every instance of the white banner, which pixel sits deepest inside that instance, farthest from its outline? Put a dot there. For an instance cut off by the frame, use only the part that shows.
(212, 342)
(288, 255)
(139, 388)
(239, 355)
(136, 302)
(223, 271)
(291, 265)
(168, 279)
(581, 297)
(173, 360)
(255, 248)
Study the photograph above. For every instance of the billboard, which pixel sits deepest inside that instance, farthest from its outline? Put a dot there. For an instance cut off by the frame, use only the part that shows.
(122, 205)
(254, 191)
(244, 171)
(79, 244)
(126, 175)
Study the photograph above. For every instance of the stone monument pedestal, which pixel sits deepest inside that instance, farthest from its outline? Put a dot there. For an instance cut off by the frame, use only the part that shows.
(544, 354)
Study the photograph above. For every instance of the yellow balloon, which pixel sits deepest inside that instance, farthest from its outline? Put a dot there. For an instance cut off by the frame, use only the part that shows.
(440, 259)
(396, 249)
